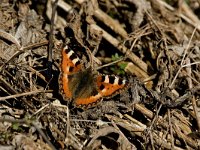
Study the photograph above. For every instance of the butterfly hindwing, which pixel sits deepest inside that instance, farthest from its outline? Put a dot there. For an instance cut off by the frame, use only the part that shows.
(85, 93)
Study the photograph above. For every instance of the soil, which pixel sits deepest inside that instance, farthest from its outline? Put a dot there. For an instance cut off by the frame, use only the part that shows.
(153, 45)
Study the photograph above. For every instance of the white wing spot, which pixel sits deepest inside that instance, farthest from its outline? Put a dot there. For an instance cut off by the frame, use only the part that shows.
(106, 79)
(75, 60)
(116, 81)
(66, 47)
(70, 53)
(124, 81)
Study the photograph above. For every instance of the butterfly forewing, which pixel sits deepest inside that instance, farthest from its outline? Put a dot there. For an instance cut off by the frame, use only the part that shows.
(110, 85)
(70, 64)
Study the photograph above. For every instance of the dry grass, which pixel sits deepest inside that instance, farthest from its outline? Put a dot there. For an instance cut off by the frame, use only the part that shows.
(159, 44)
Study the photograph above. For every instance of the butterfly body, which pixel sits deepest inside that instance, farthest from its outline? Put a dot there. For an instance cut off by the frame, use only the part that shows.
(85, 87)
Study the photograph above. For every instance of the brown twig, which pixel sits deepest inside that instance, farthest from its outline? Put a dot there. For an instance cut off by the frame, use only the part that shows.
(49, 64)
(10, 38)
(22, 50)
(183, 59)
(24, 94)
(28, 122)
(121, 48)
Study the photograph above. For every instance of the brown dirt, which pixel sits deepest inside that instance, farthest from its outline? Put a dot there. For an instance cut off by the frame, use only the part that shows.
(158, 45)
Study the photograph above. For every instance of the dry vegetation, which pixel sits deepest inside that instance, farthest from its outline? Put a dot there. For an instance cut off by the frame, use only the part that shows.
(158, 44)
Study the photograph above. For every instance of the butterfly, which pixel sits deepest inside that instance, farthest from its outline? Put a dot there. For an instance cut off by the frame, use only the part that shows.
(84, 86)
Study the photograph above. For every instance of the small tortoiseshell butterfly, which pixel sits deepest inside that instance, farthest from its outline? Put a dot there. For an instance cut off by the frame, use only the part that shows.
(85, 87)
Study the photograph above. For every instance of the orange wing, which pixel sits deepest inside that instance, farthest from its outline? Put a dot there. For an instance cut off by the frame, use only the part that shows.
(70, 64)
(107, 86)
